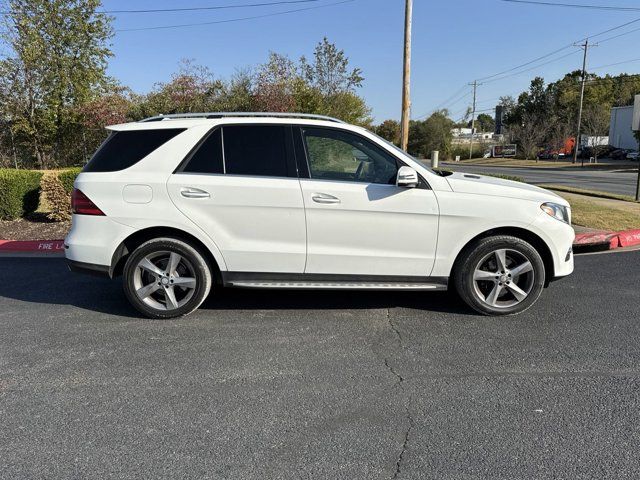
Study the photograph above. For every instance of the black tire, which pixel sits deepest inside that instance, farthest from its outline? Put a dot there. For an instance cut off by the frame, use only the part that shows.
(478, 294)
(187, 299)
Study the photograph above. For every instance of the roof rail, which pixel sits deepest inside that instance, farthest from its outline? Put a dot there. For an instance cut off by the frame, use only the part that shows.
(177, 116)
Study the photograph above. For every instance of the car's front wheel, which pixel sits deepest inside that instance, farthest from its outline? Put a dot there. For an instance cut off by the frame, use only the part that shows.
(500, 275)
(166, 278)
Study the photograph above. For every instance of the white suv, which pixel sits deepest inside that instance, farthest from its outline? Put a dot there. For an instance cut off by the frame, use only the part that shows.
(182, 204)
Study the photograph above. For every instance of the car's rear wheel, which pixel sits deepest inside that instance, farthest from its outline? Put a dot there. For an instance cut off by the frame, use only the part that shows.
(501, 275)
(166, 278)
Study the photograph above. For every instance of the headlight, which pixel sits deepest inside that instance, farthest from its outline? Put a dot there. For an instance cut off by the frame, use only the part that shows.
(559, 212)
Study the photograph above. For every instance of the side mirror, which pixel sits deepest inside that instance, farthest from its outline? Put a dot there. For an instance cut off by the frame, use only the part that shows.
(407, 177)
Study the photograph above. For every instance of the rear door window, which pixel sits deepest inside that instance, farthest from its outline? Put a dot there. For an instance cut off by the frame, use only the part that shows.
(208, 156)
(258, 150)
(124, 149)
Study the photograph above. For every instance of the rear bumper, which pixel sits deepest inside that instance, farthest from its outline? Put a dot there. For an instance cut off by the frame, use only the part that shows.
(93, 240)
(89, 268)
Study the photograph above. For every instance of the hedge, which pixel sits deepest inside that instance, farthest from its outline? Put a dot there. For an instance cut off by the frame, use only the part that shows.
(19, 193)
(68, 176)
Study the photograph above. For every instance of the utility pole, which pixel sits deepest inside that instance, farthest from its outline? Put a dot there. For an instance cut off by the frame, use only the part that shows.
(584, 46)
(406, 77)
(473, 117)
(638, 181)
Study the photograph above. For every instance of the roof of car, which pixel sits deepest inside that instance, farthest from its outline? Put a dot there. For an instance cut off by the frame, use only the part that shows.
(214, 118)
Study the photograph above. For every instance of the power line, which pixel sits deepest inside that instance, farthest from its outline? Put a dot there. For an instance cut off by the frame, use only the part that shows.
(447, 103)
(457, 92)
(532, 68)
(527, 63)
(619, 35)
(230, 20)
(550, 54)
(576, 5)
(617, 63)
(192, 9)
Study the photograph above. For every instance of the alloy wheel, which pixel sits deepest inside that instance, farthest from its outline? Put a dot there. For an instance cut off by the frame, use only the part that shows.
(164, 280)
(503, 278)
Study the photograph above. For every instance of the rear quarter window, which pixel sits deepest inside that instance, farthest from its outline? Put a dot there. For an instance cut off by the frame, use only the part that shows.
(126, 148)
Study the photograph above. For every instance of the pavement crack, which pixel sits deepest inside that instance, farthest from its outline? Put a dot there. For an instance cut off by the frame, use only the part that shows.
(392, 370)
(400, 385)
(394, 327)
(405, 443)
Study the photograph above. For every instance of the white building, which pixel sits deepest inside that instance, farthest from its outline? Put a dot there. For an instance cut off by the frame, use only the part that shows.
(620, 133)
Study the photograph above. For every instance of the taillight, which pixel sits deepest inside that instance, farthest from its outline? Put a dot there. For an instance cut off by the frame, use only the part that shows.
(82, 205)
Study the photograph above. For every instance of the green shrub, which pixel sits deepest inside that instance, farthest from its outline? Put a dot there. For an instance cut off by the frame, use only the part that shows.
(19, 193)
(68, 176)
(463, 151)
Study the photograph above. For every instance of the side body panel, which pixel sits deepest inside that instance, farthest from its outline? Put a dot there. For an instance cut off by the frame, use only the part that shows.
(375, 229)
(257, 222)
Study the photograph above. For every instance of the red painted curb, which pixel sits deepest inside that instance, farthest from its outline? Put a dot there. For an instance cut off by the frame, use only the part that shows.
(47, 246)
(629, 238)
(595, 238)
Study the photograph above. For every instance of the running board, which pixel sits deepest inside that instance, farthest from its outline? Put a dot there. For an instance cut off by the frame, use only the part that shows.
(339, 285)
(332, 282)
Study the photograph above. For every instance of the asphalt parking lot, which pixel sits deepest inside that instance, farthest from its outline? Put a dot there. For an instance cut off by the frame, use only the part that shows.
(260, 385)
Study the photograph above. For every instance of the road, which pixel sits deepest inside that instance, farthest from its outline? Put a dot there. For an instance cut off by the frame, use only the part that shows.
(292, 385)
(618, 182)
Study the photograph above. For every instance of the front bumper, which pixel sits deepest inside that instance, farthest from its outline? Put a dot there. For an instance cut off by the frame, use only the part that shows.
(559, 238)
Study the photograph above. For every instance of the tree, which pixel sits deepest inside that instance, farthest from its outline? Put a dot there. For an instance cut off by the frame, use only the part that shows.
(485, 123)
(596, 120)
(192, 89)
(530, 133)
(559, 131)
(110, 109)
(57, 61)
(276, 84)
(329, 71)
(434, 133)
(389, 130)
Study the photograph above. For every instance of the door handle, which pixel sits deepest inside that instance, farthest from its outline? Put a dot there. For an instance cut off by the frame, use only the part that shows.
(324, 198)
(191, 192)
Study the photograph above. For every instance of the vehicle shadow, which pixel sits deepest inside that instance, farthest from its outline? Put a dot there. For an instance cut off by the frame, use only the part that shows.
(48, 281)
(248, 299)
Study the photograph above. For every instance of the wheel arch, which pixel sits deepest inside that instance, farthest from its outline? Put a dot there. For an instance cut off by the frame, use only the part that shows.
(527, 235)
(137, 238)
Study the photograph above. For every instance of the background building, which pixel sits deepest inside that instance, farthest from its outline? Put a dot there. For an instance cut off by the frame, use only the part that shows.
(620, 133)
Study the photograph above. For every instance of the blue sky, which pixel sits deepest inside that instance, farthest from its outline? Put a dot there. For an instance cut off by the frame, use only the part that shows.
(454, 42)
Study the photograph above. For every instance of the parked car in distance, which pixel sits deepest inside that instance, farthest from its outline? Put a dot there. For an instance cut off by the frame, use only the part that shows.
(599, 151)
(619, 154)
(564, 151)
(182, 205)
(632, 156)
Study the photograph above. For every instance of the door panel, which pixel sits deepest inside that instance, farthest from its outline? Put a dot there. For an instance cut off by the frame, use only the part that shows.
(258, 223)
(369, 229)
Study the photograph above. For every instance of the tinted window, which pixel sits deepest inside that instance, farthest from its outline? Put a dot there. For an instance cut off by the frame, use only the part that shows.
(255, 150)
(208, 156)
(124, 149)
(338, 155)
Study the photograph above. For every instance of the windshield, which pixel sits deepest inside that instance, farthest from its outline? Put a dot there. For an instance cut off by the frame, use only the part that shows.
(398, 149)
(422, 163)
